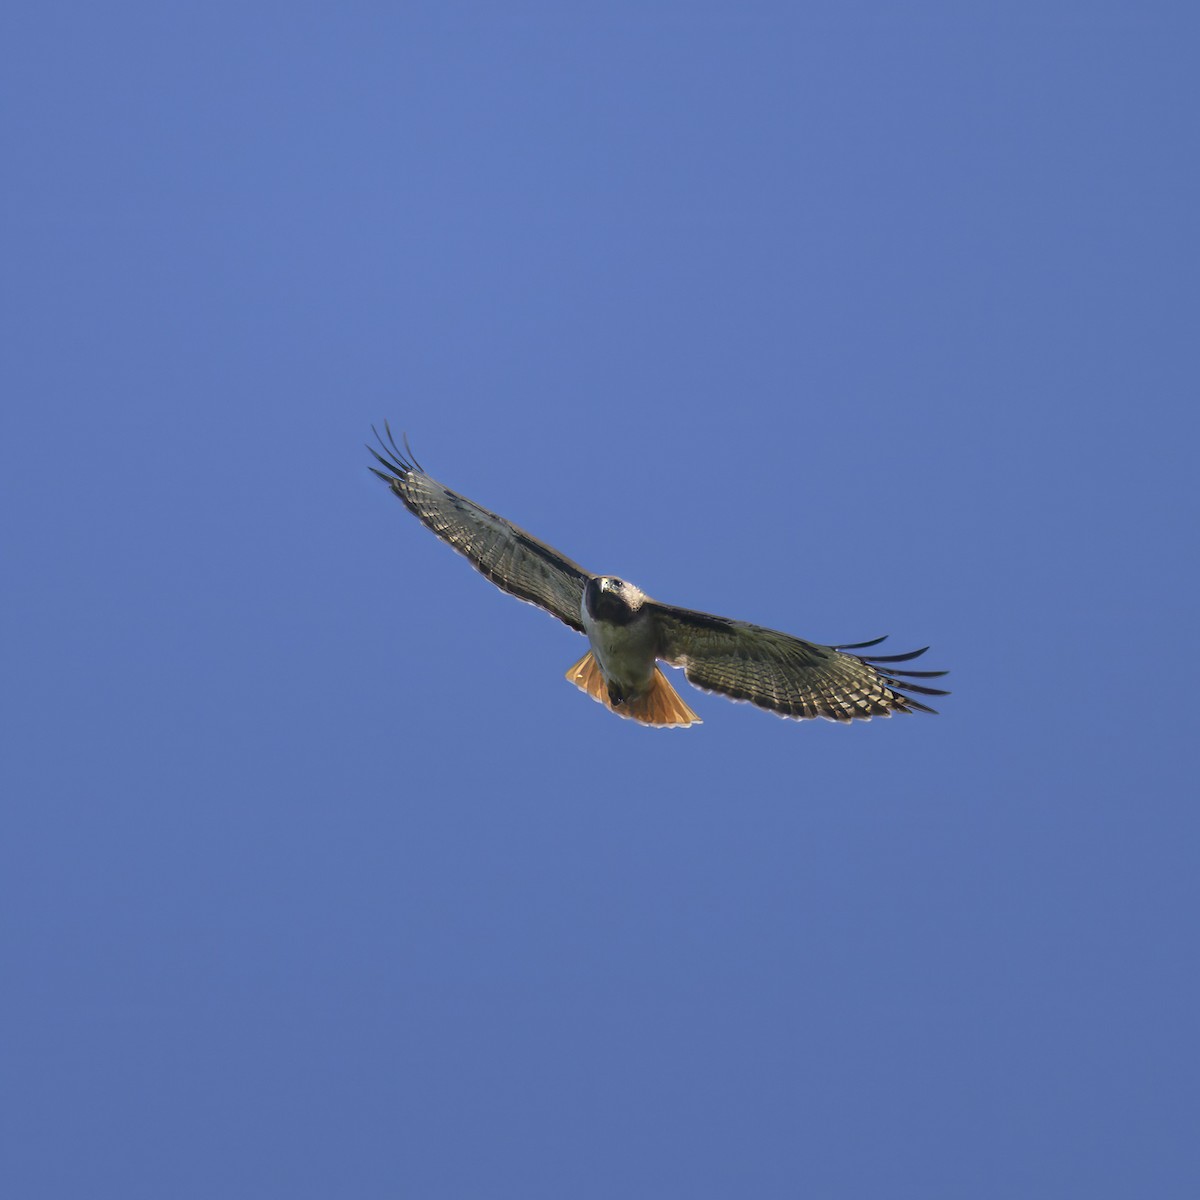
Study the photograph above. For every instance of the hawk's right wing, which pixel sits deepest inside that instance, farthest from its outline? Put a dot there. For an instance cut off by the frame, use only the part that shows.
(513, 560)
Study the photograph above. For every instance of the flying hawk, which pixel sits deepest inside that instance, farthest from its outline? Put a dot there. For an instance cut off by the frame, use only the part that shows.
(628, 632)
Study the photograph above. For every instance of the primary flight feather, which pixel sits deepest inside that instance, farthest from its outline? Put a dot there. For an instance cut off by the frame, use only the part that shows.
(629, 633)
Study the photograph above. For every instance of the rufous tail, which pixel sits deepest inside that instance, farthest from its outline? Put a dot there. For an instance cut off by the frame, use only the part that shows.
(661, 705)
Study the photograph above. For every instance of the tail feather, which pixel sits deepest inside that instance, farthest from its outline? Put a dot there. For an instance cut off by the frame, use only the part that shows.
(661, 705)
(587, 677)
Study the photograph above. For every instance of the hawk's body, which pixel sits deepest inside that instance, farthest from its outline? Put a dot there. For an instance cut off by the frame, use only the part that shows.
(628, 632)
(624, 640)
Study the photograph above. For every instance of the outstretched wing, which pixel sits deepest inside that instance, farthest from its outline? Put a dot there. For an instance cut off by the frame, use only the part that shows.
(508, 556)
(785, 674)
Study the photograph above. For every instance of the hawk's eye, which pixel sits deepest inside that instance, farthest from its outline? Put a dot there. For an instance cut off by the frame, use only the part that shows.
(615, 583)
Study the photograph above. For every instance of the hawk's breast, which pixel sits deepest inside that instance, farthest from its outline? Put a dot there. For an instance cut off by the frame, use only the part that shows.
(623, 636)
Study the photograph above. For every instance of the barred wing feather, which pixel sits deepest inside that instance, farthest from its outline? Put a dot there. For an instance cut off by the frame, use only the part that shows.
(512, 559)
(786, 674)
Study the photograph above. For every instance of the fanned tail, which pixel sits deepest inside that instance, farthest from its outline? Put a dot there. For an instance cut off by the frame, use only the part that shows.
(661, 706)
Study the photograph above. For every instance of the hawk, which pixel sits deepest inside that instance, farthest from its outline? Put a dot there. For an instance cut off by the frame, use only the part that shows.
(629, 633)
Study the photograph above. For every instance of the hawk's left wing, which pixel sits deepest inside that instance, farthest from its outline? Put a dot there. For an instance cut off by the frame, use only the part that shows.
(513, 560)
(785, 674)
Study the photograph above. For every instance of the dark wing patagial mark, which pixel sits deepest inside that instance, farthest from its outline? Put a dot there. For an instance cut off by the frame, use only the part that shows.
(512, 559)
(785, 674)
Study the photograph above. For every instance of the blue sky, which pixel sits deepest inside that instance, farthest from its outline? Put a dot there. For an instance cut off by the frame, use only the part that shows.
(317, 878)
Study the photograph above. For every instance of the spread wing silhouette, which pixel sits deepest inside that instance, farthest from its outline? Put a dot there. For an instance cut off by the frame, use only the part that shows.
(786, 674)
(512, 559)
(772, 670)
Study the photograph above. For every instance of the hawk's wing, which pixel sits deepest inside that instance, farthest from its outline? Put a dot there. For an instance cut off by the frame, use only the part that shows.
(785, 674)
(508, 556)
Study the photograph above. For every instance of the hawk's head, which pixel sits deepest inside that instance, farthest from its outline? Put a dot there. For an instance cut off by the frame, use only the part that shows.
(611, 599)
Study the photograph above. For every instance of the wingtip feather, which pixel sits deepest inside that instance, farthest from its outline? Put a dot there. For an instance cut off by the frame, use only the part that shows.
(393, 457)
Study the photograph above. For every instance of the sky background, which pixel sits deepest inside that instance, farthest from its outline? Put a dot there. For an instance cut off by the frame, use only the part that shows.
(316, 877)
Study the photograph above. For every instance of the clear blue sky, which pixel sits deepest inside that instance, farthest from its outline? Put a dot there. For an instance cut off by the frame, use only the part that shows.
(318, 879)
